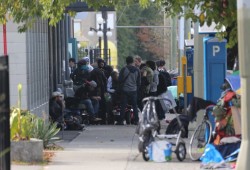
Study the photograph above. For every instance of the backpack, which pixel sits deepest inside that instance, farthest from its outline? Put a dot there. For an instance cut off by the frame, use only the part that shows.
(79, 76)
(167, 77)
(174, 127)
(72, 123)
(162, 86)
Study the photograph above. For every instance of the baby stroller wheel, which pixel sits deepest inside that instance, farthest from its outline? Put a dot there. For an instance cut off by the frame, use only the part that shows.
(140, 146)
(181, 151)
(145, 154)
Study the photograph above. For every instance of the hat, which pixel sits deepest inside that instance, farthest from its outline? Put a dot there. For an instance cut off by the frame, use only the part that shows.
(57, 94)
(100, 61)
(82, 62)
(86, 59)
(92, 83)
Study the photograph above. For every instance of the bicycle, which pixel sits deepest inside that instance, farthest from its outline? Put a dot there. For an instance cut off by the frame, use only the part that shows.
(202, 135)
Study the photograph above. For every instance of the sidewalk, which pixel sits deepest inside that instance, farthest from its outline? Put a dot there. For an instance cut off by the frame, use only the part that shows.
(105, 147)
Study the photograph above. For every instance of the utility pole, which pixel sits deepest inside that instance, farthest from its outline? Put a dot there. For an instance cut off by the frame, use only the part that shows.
(4, 115)
(173, 43)
(244, 58)
(105, 40)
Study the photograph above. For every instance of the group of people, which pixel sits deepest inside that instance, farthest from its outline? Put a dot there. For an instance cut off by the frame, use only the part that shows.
(90, 82)
(135, 81)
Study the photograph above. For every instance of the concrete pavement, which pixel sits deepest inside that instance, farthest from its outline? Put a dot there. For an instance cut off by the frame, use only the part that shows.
(105, 147)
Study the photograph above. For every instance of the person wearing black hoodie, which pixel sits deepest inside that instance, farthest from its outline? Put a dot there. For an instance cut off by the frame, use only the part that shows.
(130, 80)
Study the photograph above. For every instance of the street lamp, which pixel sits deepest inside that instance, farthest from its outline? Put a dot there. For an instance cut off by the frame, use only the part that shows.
(102, 32)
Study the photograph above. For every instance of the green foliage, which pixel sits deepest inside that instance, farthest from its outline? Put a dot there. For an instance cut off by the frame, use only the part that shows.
(45, 131)
(222, 12)
(5, 151)
(25, 125)
(26, 12)
(21, 124)
(138, 41)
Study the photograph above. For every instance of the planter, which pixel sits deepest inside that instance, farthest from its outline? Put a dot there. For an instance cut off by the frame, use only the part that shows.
(27, 151)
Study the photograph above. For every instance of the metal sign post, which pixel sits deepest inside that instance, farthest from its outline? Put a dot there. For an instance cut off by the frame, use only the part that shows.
(184, 82)
(4, 115)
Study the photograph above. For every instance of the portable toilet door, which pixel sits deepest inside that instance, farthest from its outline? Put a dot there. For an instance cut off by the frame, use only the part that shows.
(215, 66)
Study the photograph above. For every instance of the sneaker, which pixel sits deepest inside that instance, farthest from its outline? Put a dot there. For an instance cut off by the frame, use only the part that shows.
(82, 127)
(119, 123)
(95, 119)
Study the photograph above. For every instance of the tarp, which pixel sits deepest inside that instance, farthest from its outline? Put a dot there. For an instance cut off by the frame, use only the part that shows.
(234, 81)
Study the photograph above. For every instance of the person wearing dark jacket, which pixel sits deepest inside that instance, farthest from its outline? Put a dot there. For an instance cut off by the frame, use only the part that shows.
(99, 77)
(86, 94)
(162, 70)
(130, 80)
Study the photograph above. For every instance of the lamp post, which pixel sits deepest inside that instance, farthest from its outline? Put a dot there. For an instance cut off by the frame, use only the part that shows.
(102, 32)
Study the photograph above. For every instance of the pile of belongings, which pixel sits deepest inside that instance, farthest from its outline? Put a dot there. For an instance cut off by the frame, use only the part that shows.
(224, 123)
(227, 139)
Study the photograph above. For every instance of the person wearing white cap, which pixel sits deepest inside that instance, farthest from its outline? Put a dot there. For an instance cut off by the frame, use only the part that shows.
(88, 63)
(56, 106)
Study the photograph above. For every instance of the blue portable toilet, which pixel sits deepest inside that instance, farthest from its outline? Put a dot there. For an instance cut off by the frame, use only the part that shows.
(215, 66)
(190, 71)
(190, 61)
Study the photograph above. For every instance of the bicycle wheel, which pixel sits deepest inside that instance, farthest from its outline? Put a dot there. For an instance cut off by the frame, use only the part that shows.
(199, 139)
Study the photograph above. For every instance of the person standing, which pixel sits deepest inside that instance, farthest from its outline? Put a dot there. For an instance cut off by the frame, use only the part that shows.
(155, 82)
(162, 70)
(137, 61)
(72, 66)
(130, 80)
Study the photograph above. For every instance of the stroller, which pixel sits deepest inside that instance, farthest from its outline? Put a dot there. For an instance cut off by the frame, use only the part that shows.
(148, 128)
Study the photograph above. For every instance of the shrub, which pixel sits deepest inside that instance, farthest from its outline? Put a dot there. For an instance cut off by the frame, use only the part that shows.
(25, 125)
(45, 131)
(21, 124)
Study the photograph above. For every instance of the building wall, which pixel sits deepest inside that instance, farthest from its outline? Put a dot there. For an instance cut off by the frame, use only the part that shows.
(28, 61)
(16, 49)
(38, 67)
(38, 60)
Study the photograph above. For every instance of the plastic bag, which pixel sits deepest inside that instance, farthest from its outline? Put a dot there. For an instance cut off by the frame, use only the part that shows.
(211, 155)
(107, 97)
(167, 101)
(160, 151)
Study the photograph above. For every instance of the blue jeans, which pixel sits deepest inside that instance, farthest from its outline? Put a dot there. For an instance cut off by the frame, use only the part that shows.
(96, 106)
(89, 106)
(132, 97)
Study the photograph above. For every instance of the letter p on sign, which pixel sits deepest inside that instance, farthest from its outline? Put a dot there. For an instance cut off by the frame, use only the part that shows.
(216, 49)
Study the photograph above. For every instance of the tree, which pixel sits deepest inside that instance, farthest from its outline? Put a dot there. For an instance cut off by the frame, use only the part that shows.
(145, 42)
(222, 12)
(26, 12)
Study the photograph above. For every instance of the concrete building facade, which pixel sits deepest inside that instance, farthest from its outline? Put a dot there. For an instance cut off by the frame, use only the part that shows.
(37, 60)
